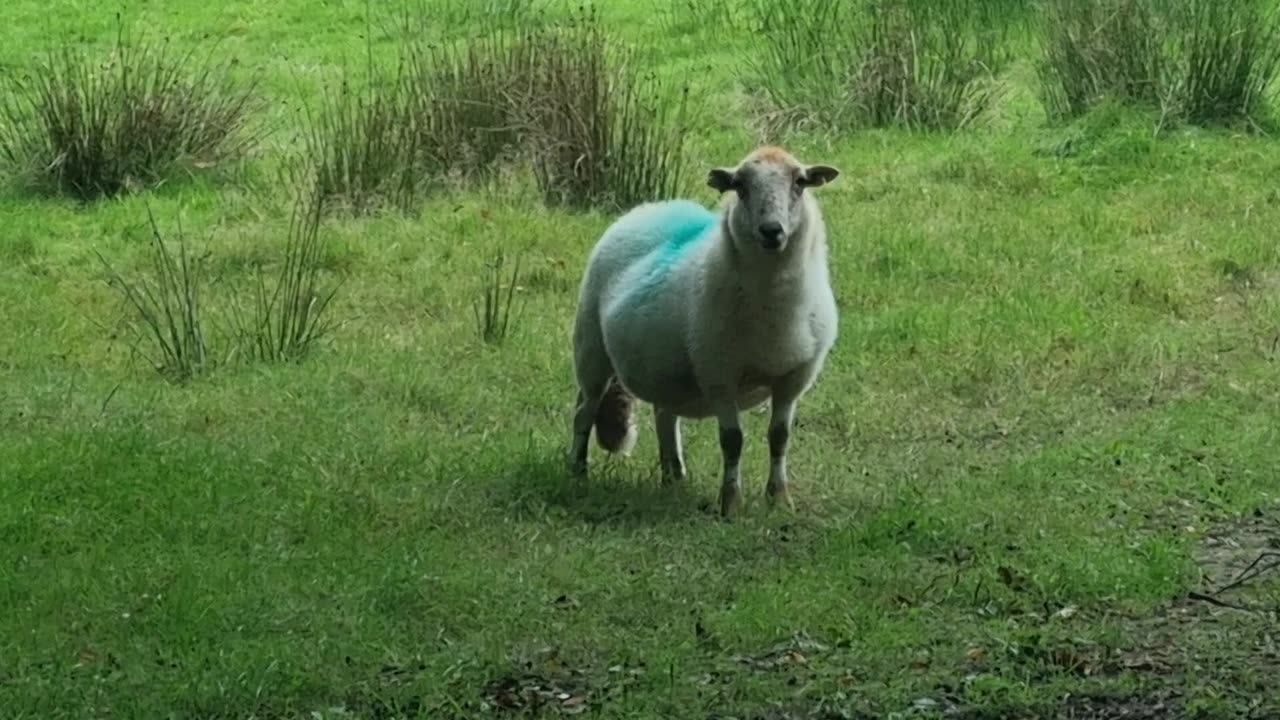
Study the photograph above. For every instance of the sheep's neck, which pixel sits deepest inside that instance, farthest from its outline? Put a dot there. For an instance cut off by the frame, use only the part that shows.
(800, 265)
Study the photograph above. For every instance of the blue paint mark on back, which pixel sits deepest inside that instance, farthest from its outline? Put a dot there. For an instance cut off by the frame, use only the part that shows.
(678, 223)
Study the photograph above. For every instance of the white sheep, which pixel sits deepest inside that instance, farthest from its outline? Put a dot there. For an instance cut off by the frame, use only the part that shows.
(706, 315)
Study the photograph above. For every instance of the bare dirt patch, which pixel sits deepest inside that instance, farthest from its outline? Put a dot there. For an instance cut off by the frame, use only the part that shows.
(1236, 555)
(1220, 640)
(548, 683)
(1159, 706)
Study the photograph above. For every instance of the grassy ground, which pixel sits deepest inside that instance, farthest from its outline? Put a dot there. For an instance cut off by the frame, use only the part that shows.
(1049, 417)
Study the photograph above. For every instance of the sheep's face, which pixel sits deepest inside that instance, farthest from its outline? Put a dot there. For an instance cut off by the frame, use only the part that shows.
(770, 186)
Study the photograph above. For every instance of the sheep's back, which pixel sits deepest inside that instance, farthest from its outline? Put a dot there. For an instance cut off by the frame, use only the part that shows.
(652, 260)
(640, 255)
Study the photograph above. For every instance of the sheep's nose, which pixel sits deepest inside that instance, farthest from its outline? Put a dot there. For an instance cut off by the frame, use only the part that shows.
(771, 232)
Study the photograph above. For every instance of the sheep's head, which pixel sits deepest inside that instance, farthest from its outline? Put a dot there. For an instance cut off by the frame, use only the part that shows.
(770, 185)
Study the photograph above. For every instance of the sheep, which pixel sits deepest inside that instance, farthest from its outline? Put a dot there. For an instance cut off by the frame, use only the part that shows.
(707, 315)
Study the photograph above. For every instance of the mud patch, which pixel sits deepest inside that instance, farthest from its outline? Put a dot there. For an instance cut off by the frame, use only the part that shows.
(1236, 554)
(795, 652)
(548, 683)
(1220, 640)
(1213, 652)
(1165, 706)
(1154, 707)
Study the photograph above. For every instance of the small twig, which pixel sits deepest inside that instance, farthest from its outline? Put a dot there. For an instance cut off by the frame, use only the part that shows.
(977, 589)
(1247, 576)
(1193, 595)
(932, 583)
(1250, 573)
(107, 401)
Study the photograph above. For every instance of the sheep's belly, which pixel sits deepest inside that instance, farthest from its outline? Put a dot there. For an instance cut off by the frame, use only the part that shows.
(699, 408)
(680, 394)
(667, 388)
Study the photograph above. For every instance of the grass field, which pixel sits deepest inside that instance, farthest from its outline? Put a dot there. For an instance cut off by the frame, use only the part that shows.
(1050, 421)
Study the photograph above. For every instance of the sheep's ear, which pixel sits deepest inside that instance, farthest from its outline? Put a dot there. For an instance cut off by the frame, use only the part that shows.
(817, 175)
(722, 179)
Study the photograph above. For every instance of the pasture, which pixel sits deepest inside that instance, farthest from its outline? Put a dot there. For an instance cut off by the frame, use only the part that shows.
(1043, 447)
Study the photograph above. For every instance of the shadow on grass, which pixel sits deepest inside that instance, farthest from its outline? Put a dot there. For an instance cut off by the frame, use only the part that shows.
(612, 494)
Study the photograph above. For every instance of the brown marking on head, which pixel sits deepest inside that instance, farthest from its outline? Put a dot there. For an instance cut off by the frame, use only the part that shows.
(770, 153)
(774, 155)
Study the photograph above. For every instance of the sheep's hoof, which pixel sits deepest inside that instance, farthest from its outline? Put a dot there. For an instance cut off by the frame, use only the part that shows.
(730, 500)
(778, 496)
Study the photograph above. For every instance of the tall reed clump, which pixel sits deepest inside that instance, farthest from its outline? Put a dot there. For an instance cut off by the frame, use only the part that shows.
(174, 305)
(564, 99)
(1094, 50)
(461, 102)
(914, 64)
(805, 62)
(168, 307)
(89, 126)
(698, 16)
(290, 312)
(496, 300)
(1229, 58)
(1200, 61)
(453, 14)
(358, 146)
(928, 65)
(444, 111)
(601, 134)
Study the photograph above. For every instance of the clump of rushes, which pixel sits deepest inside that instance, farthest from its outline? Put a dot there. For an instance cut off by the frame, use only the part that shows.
(497, 299)
(889, 63)
(563, 97)
(1200, 61)
(358, 148)
(601, 134)
(87, 126)
(290, 313)
(168, 308)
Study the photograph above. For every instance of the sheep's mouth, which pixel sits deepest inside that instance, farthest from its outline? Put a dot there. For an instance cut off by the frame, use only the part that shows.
(773, 245)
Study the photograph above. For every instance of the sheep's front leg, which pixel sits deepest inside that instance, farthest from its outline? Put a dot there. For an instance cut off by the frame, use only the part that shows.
(670, 455)
(785, 395)
(725, 403)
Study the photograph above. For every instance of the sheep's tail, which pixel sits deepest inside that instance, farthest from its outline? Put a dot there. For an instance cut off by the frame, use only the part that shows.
(615, 430)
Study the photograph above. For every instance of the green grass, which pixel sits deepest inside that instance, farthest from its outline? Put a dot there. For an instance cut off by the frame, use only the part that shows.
(1055, 384)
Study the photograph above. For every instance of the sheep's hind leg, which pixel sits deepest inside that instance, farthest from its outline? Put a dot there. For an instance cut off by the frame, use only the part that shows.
(592, 369)
(584, 418)
(670, 454)
(593, 382)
